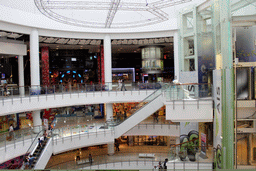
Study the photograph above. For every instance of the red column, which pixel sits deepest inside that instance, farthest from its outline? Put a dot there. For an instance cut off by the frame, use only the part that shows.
(45, 65)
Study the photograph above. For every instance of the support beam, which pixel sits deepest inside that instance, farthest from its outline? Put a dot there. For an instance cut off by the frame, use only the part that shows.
(112, 12)
(241, 4)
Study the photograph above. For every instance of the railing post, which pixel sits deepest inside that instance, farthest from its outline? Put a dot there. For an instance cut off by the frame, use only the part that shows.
(71, 133)
(54, 91)
(3, 101)
(70, 89)
(93, 89)
(14, 140)
(21, 98)
(5, 142)
(23, 137)
(46, 91)
(12, 94)
(38, 92)
(31, 136)
(62, 137)
(78, 89)
(96, 131)
(85, 89)
(79, 131)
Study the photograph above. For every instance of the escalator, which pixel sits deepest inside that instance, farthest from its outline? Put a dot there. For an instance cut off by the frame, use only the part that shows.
(140, 112)
(41, 157)
(41, 154)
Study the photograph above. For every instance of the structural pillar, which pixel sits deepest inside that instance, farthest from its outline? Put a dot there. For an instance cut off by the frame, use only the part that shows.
(109, 111)
(108, 62)
(34, 62)
(111, 149)
(21, 75)
(168, 139)
(176, 55)
(37, 122)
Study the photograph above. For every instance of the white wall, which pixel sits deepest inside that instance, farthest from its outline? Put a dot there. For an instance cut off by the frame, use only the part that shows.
(13, 48)
(154, 130)
(50, 101)
(12, 151)
(189, 111)
(189, 77)
(84, 140)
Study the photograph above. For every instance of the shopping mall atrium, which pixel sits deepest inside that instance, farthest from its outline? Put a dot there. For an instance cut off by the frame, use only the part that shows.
(128, 84)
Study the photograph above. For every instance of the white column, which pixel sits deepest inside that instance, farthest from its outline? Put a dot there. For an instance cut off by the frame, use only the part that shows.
(176, 55)
(21, 75)
(111, 149)
(37, 122)
(34, 60)
(108, 61)
(109, 110)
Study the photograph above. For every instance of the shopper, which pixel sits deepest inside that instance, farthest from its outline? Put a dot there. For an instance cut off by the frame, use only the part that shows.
(31, 160)
(90, 159)
(77, 155)
(119, 84)
(123, 86)
(165, 162)
(125, 115)
(26, 162)
(155, 117)
(117, 146)
(11, 134)
(160, 167)
(45, 135)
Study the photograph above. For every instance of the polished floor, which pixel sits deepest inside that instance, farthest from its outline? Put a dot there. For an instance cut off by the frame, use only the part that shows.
(126, 154)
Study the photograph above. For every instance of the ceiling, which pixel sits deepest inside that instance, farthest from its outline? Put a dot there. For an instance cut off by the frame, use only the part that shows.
(108, 13)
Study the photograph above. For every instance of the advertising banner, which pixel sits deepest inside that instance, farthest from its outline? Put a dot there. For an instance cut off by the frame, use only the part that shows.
(217, 139)
(45, 65)
(203, 146)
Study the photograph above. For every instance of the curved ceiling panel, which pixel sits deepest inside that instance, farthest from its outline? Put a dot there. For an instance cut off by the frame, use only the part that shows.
(107, 13)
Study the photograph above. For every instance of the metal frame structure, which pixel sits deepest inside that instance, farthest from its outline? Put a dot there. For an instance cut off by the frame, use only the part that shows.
(47, 7)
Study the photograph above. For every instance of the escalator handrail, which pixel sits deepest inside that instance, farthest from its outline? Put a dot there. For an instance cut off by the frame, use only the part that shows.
(143, 105)
(27, 153)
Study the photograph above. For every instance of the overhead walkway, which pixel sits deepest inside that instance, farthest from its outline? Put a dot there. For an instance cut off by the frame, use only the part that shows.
(22, 99)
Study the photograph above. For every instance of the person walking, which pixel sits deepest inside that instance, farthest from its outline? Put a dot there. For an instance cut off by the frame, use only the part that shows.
(90, 159)
(123, 86)
(11, 134)
(117, 146)
(165, 162)
(119, 85)
(31, 160)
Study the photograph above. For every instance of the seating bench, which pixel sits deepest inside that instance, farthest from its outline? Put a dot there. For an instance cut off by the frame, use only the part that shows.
(83, 161)
(146, 155)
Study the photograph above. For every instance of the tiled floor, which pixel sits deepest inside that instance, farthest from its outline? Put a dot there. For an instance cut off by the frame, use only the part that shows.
(126, 153)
